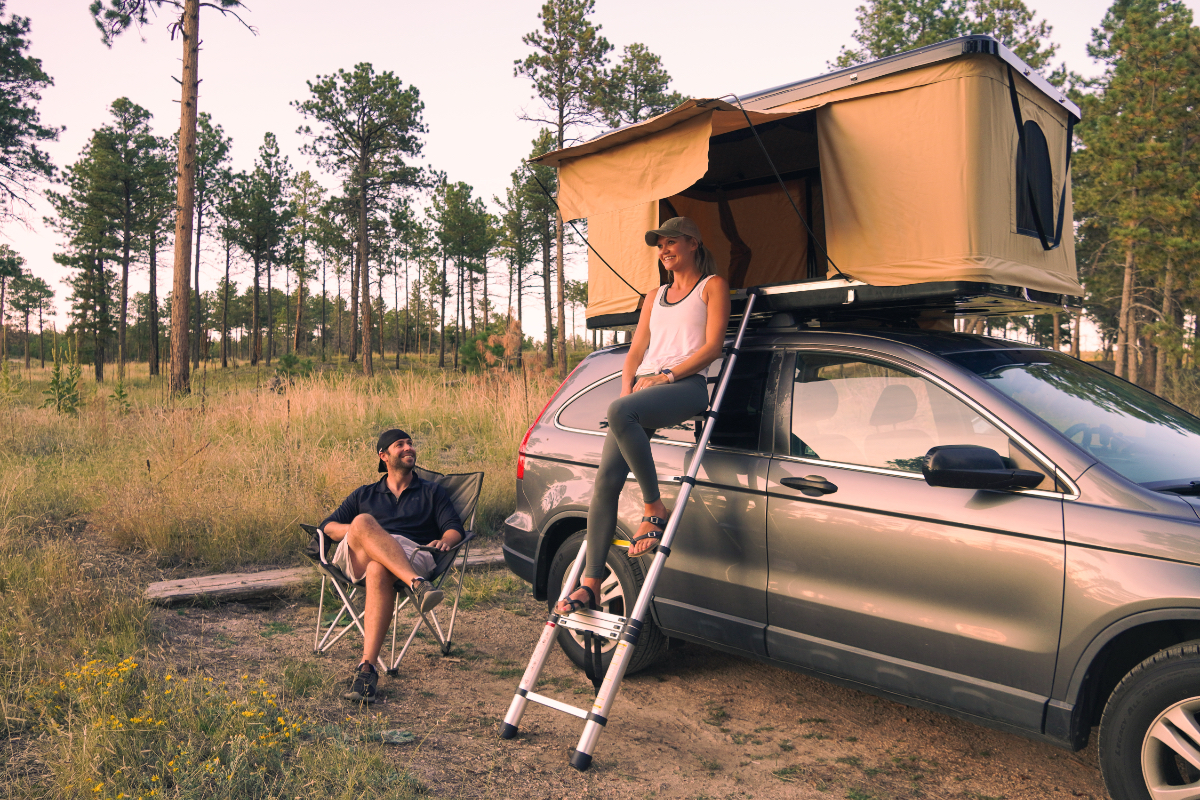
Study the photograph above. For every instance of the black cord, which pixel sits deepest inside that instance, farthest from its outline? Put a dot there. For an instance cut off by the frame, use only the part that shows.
(581, 236)
(837, 272)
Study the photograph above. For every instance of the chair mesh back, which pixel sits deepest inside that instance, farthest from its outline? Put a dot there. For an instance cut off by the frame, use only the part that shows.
(464, 491)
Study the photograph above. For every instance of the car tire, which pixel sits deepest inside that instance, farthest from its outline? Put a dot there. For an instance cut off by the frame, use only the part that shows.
(622, 582)
(1149, 720)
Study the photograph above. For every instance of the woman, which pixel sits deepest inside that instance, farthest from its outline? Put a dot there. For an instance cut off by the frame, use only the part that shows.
(680, 332)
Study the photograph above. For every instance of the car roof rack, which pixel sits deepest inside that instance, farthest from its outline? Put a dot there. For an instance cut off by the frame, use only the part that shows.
(848, 302)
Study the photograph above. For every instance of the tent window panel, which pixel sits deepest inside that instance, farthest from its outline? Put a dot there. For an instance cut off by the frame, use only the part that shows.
(1033, 166)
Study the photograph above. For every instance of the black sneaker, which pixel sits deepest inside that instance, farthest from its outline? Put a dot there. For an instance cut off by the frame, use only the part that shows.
(424, 596)
(362, 689)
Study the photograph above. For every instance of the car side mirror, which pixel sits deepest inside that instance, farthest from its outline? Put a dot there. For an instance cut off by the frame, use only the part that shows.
(968, 466)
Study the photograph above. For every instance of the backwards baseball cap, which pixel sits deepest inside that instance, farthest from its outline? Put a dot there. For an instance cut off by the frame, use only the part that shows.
(386, 440)
(675, 226)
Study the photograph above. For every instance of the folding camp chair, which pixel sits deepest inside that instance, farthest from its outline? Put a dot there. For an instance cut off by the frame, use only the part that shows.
(450, 567)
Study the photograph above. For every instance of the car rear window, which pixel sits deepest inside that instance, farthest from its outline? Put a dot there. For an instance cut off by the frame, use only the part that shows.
(739, 423)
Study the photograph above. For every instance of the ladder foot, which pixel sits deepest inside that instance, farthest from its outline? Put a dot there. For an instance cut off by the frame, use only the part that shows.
(580, 761)
(508, 731)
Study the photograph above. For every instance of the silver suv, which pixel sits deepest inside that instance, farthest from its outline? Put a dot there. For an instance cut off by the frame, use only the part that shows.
(962, 523)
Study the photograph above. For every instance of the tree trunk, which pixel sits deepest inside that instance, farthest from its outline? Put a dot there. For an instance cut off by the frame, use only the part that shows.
(364, 263)
(41, 338)
(199, 311)
(324, 295)
(546, 293)
(270, 315)
(225, 312)
(458, 313)
(299, 310)
(153, 303)
(520, 316)
(396, 299)
(126, 235)
(27, 341)
(1125, 320)
(101, 335)
(1168, 316)
(442, 343)
(255, 316)
(185, 198)
(407, 309)
(562, 314)
(354, 270)
(1055, 338)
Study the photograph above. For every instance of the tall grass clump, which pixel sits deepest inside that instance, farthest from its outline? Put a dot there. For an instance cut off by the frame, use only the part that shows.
(225, 484)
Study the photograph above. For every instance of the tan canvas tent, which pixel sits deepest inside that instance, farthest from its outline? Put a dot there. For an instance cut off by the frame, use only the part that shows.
(908, 170)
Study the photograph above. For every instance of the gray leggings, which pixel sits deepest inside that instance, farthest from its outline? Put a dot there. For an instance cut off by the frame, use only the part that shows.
(632, 420)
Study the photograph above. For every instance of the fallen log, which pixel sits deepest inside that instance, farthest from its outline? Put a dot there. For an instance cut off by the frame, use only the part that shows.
(242, 585)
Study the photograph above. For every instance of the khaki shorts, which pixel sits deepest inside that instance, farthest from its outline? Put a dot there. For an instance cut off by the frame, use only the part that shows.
(422, 561)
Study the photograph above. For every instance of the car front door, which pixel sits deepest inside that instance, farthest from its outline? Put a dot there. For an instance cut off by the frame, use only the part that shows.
(950, 596)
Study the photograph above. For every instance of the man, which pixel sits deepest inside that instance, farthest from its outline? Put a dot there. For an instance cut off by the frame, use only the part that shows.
(378, 529)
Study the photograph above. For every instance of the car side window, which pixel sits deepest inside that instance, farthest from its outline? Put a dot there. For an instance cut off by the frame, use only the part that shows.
(588, 411)
(858, 411)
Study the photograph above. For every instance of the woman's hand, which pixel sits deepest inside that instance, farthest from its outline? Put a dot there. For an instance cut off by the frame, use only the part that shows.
(650, 380)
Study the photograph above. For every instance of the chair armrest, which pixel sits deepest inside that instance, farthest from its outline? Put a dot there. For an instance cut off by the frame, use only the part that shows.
(467, 536)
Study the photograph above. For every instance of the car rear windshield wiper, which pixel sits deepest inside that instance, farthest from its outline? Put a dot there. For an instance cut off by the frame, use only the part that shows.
(1191, 487)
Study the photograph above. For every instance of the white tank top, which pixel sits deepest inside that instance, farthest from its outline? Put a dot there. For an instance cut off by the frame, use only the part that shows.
(676, 329)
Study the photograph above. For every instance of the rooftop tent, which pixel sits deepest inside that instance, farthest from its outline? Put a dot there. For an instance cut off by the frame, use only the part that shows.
(908, 170)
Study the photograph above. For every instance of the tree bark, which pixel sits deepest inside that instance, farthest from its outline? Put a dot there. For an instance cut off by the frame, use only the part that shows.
(199, 311)
(185, 198)
(1055, 322)
(442, 342)
(299, 311)
(1125, 320)
(153, 303)
(225, 312)
(354, 270)
(126, 235)
(562, 318)
(324, 295)
(546, 293)
(364, 263)
(270, 316)
(255, 316)
(1076, 333)
(101, 335)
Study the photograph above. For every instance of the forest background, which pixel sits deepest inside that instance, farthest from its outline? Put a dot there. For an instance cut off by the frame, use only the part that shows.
(448, 262)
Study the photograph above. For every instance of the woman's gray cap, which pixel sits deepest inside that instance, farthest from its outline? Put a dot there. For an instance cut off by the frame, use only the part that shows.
(675, 226)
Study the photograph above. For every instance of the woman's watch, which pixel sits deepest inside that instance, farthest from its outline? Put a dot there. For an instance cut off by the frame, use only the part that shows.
(670, 375)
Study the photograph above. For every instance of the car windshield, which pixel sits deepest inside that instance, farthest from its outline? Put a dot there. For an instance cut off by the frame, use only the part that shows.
(1134, 432)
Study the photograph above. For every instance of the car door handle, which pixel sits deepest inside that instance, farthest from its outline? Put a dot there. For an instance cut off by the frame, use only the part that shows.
(811, 483)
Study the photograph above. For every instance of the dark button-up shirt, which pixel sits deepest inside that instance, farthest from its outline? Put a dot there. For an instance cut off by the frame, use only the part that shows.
(422, 512)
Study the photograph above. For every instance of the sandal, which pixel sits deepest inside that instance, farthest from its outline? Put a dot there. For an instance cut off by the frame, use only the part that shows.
(651, 534)
(424, 596)
(575, 604)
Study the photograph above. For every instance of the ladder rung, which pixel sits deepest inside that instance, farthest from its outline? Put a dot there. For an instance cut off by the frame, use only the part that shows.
(598, 622)
(557, 705)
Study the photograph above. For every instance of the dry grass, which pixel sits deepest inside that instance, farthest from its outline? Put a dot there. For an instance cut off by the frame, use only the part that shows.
(213, 481)
(221, 479)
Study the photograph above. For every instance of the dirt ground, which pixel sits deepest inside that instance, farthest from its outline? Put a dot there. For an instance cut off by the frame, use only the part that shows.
(701, 724)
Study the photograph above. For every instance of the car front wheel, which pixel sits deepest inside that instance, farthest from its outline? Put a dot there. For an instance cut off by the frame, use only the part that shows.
(623, 579)
(1150, 731)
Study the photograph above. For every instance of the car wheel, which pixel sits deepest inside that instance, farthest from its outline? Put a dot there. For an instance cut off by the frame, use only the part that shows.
(618, 592)
(1150, 732)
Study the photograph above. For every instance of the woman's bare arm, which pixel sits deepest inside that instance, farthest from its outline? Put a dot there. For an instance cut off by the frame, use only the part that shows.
(637, 346)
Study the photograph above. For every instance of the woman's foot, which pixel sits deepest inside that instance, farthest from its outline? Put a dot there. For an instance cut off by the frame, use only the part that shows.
(642, 541)
(583, 597)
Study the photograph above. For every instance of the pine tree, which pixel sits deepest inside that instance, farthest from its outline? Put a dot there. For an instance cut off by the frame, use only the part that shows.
(637, 88)
(22, 163)
(567, 70)
(1138, 125)
(371, 127)
(113, 20)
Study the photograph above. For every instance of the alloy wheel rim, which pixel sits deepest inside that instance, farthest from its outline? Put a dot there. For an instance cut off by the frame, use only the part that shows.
(1171, 753)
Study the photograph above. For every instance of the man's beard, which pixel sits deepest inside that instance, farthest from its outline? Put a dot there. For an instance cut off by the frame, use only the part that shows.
(398, 462)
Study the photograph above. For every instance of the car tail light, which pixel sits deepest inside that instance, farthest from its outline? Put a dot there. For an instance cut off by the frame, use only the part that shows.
(525, 441)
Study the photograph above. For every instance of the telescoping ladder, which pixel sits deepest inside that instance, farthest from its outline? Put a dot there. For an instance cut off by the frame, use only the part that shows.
(611, 626)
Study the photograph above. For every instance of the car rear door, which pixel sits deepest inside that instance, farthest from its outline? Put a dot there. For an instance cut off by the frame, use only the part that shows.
(949, 596)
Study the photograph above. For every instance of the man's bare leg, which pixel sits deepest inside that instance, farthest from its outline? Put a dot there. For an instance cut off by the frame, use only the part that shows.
(369, 542)
(381, 600)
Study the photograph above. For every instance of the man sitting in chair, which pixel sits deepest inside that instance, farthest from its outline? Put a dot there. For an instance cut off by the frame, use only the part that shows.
(378, 529)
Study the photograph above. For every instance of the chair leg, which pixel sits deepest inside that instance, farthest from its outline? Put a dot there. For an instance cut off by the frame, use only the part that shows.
(320, 613)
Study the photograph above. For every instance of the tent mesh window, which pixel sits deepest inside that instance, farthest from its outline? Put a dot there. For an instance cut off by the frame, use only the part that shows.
(1036, 176)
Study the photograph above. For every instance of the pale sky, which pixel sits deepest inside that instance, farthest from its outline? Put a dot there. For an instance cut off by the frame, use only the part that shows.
(458, 53)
